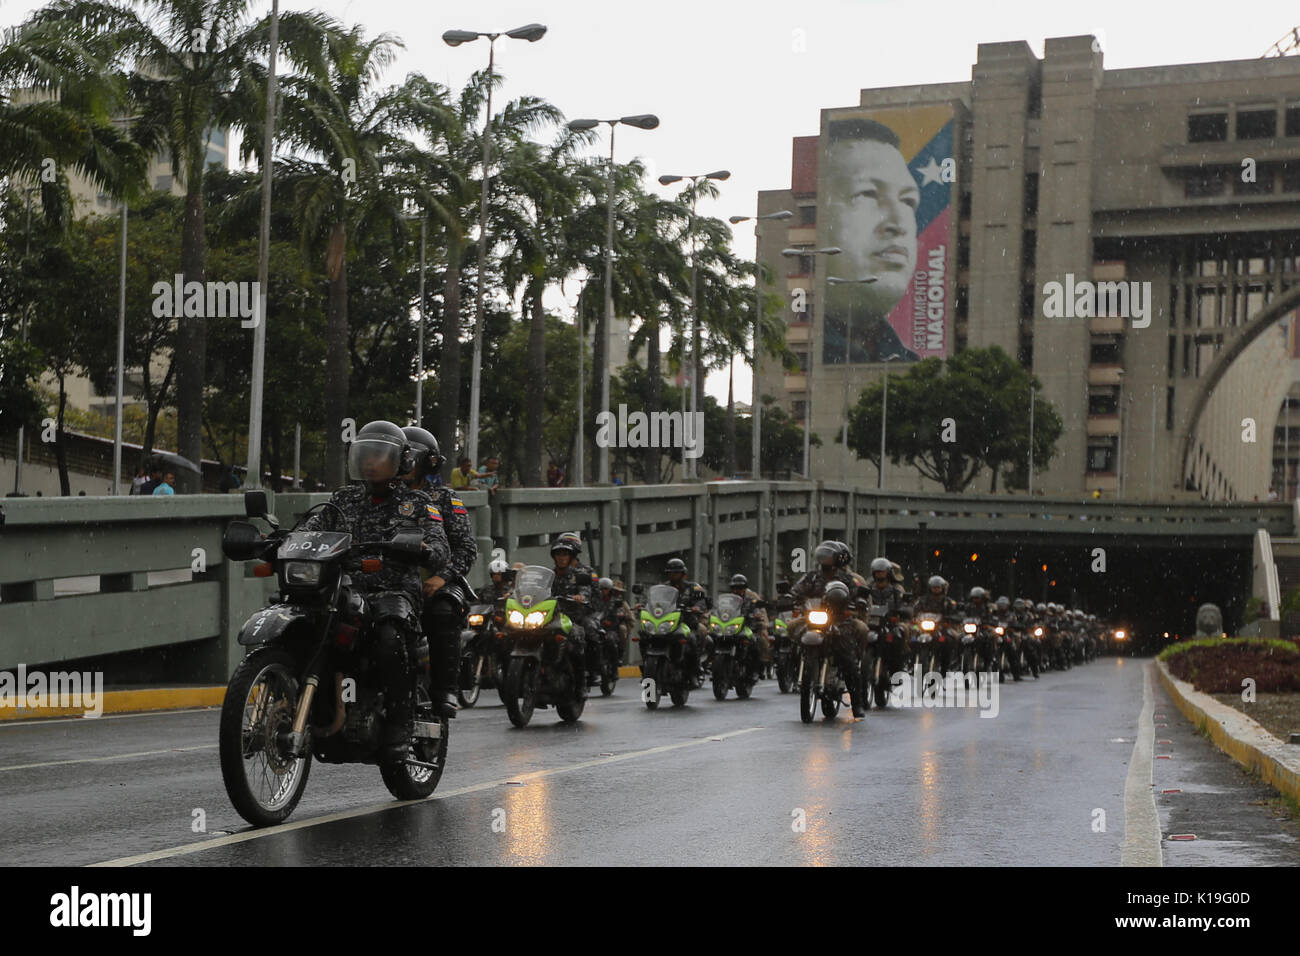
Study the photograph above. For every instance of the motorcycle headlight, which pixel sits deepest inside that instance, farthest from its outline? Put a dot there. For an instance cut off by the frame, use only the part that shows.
(475, 620)
(818, 618)
(970, 628)
(666, 626)
(927, 625)
(999, 630)
(535, 619)
(1120, 635)
(732, 629)
(1038, 632)
(516, 618)
(305, 573)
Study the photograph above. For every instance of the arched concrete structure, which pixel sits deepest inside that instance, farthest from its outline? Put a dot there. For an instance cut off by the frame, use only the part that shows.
(1277, 310)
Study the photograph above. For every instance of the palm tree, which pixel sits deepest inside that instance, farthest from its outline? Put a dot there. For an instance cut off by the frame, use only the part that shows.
(337, 116)
(191, 67)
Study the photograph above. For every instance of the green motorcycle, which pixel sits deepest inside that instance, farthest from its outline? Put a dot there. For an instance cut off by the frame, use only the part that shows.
(734, 650)
(670, 657)
(542, 668)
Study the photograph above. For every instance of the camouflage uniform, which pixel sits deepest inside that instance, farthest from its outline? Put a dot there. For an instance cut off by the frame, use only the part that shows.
(756, 618)
(460, 530)
(848, 649)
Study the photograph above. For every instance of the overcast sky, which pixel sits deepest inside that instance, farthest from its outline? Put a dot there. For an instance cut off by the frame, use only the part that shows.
(733, 81)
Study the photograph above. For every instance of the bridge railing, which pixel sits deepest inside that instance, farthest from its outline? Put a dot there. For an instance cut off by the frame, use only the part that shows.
(144, 578)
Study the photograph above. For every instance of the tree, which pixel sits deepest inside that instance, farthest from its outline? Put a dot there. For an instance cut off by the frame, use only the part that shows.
(781, 451)
(950, 421)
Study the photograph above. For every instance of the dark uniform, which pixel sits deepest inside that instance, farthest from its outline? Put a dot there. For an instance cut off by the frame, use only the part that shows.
(395, 589)
(578, 581)
(443, 612)
(813, 585)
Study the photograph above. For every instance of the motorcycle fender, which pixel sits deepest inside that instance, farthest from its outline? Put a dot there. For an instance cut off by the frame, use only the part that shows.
(389, 606)
(534, 651)
(268, 624)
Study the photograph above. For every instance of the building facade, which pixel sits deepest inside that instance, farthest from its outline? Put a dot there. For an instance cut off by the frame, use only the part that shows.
(1130, 236)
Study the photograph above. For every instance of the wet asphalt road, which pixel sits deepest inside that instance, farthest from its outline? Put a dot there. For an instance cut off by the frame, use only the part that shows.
(716, 783)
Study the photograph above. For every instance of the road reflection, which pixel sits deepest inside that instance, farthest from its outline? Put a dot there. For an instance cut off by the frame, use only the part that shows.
(527, 821)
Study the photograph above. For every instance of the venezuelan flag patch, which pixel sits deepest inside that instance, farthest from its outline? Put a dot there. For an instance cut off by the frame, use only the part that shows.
(434, 513)
(458, 507)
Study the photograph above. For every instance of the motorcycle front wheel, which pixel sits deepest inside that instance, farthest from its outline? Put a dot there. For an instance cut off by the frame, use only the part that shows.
(785, 674)
(721, 677)
(521, 690)
(807, 697)
(471, 670)
(263, 782)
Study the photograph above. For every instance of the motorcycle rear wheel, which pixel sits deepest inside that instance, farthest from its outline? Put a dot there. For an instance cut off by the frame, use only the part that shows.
(784, 675)
(263, 685)
(411, 782)
(806, 697)
(471, 670)
(831, 706)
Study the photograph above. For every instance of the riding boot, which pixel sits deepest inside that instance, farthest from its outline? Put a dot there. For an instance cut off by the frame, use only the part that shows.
(450, 682)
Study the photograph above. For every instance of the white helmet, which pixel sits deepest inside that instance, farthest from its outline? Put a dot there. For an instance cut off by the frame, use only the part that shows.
(498, 567)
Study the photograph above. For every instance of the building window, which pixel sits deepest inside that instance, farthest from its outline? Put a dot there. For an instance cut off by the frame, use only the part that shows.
(1207, 128)
(1202, 183)
(964, 211)
(1105, 351)
(798, 409)
(1101, 457)
(1173, 352)
(1104, 401)
(801, 360)
(1207, 308)
(1029, 249)
(1291, 177)
(1031, 195)
(1257, 124)
(1293, 121)
(1262, 186)
(807, 215)
(1169, 408)
(1028, 301)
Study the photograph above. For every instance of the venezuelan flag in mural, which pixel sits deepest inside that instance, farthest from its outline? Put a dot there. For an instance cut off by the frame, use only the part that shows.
(886, 177)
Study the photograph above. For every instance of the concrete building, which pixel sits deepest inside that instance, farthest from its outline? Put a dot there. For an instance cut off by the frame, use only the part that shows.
(1129, 235)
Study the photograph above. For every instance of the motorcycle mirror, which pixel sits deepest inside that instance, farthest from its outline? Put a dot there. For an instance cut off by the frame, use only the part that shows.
(255, 504)
(240, 541)
(782, 587)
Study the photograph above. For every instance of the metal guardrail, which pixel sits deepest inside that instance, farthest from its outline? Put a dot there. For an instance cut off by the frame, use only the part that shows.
(189, 625)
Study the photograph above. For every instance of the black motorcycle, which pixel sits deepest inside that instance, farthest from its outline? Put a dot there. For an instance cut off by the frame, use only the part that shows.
(820, 681)
(785, 653)
(483, 653)
(316, 633)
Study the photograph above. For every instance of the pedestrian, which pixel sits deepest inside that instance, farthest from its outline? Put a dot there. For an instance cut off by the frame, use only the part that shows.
(462, 475)
(139, 481)
(554, 477)
(1272, 494)
(155, 478)
(488, 479)
(165, 486)
(229, 480)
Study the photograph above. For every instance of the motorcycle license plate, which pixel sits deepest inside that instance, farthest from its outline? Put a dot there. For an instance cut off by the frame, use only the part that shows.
(428, 729)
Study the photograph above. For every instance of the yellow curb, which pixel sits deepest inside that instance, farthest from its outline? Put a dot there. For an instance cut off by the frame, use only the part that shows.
(127, 701)
(634, 671)
(1237, 735)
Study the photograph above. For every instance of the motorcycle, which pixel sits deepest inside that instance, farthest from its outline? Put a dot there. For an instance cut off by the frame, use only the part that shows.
(541, 672)
(734, 650)
(605, 657)
(668, 651)
(927, 631)
(482, 665)
(785, 653)
(316, 633)
(884, 649)
(1006, 653)
(819, 679)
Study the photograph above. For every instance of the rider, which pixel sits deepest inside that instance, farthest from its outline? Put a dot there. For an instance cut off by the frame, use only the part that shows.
(373, 511)
(502, 582)
(755, 617)
(887, 590)
(833, 559)
(937, 601)
(693, 601)
(1002, 613)
(574, 580)
(609, 606)
(446, 595)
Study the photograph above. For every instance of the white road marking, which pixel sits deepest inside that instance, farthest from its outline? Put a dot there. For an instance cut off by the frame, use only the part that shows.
(248, 835)
(142, 753)
(1141, 822)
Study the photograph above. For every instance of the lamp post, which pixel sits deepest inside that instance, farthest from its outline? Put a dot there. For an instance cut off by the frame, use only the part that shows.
(812, 273)
(419, 361)
(848, 337)
(531, 32)
(668, 180)
(254, 472)
(640, 121)
(755, 472)
(1032, 399)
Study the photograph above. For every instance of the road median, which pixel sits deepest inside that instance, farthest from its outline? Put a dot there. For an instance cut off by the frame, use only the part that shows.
(1237, 735)
(128, 701)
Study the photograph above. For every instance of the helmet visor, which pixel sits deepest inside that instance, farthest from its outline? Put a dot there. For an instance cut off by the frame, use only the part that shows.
(824, 555)
(374, 460)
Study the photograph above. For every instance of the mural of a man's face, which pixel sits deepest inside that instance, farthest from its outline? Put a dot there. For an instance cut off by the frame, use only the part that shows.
(871, 215)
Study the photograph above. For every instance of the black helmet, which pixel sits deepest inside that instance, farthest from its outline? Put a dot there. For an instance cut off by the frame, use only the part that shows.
(846, 553)
(675, 565)
(978, 593)
(568, 541)
(882, 564)
(937, 582)
(379, 453)
(832, 554)
(424, 447)
(739, 581)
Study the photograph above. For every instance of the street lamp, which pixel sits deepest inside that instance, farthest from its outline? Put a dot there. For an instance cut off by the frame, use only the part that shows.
(848, 337)
(531, 32)
(667, 180)
(640, 121)
(755, 473)
(807, 382)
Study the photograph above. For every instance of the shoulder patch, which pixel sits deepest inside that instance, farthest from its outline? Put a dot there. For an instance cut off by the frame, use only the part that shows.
(406, 509)
(458, 506)
(434, 513)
